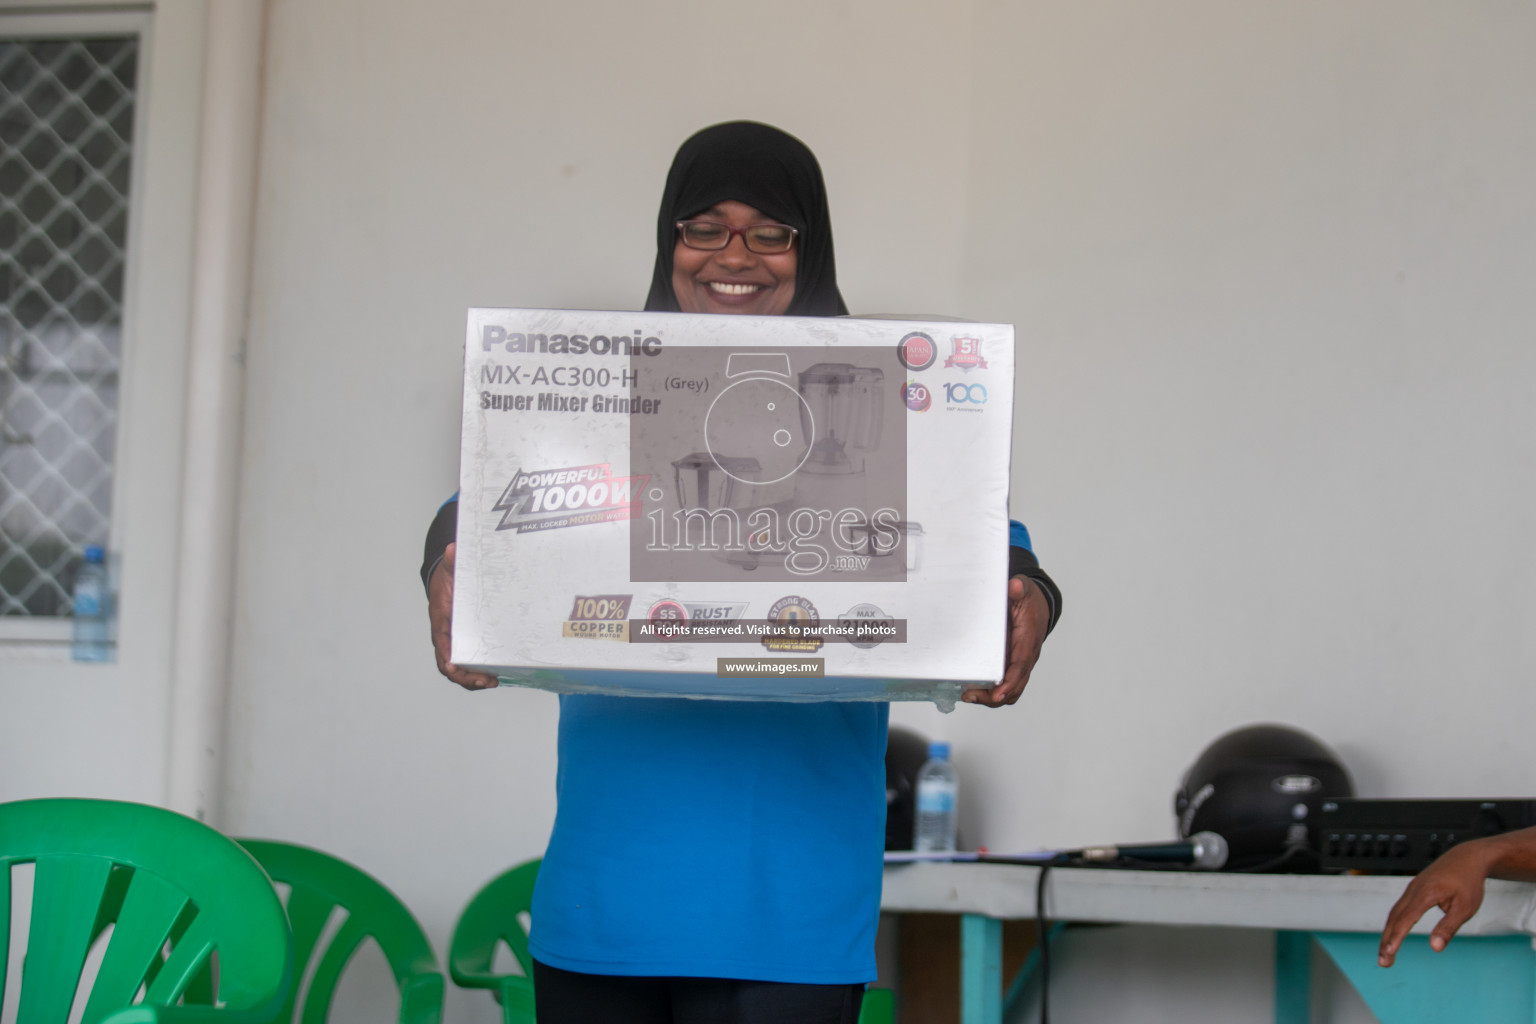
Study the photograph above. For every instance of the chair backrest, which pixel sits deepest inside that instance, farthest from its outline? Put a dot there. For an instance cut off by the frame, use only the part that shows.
(177, 895)
(319, 883)
(494, 915)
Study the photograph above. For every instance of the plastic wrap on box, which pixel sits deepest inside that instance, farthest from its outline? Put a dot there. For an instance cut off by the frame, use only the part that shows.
(734, 507)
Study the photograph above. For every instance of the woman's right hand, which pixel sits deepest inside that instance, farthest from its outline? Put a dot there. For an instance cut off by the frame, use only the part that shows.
(440, 611)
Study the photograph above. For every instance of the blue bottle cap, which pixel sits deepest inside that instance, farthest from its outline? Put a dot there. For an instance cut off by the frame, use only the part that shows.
(94, 553)
(939, 750)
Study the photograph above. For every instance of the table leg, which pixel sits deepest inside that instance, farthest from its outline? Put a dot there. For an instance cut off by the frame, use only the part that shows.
(1293, 977)
(981, 969)
(1487, 979)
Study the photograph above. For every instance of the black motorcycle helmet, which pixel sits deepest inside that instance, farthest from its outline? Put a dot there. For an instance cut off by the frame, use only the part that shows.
(905, 753)
(1260, 789)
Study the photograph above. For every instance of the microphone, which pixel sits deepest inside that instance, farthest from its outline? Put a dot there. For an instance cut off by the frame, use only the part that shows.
(1203, 850)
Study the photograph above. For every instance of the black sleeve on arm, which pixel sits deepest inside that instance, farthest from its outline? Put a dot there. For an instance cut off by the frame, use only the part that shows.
(439, 535)
(1022, 562)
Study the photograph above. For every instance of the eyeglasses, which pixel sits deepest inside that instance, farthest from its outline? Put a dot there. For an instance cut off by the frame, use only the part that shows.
(712, 236)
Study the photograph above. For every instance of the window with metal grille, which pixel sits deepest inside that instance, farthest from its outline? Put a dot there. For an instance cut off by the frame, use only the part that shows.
(66, 140)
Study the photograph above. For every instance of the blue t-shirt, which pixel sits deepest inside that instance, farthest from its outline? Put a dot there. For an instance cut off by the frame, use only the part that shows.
(724, 839)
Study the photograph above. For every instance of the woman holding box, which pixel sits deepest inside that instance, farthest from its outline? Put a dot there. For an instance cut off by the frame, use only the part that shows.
(720, 861)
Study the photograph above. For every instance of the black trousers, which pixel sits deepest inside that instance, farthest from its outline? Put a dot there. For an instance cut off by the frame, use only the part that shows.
(567, 997)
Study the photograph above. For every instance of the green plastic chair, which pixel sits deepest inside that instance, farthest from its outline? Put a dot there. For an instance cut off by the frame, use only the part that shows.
(492, 916)
(160, 880)
(879, 1006)
(318, 884)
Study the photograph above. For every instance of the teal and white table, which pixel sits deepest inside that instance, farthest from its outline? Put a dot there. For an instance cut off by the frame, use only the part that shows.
(1487, 975)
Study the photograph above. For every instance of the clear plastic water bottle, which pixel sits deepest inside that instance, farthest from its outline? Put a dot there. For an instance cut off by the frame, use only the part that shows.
(937, 787)
(92, 628)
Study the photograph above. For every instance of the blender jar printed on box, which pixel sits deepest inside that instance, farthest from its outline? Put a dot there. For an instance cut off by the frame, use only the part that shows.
(820, 501)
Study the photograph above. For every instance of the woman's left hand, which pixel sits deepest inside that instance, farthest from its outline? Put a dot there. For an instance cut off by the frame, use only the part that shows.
(1028, 616)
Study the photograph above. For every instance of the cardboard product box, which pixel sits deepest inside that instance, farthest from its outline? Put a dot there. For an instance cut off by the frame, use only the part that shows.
(767, 508)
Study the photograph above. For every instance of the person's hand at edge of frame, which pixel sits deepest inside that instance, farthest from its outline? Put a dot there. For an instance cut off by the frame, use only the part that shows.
(1455, 883)
(440, 612)
(1029, 614)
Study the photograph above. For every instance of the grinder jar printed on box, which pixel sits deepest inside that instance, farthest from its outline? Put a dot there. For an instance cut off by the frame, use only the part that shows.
(819, 502)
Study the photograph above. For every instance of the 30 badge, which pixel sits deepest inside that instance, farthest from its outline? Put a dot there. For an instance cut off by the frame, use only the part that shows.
(917, 396)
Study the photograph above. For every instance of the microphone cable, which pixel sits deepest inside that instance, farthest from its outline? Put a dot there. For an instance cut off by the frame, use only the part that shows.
(1291, 853)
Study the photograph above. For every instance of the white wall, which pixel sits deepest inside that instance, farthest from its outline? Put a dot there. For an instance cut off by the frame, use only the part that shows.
(1270, 266)
(1264, 262)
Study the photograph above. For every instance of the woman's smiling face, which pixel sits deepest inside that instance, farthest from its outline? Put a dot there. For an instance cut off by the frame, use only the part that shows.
(734, 279)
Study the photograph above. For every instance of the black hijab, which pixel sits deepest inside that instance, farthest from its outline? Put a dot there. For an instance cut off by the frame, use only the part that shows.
(765, 168)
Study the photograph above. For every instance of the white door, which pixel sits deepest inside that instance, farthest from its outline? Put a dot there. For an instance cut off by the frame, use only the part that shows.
(99, 113)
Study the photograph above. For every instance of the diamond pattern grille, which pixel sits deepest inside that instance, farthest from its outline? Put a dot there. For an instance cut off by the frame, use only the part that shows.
(66, 139)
